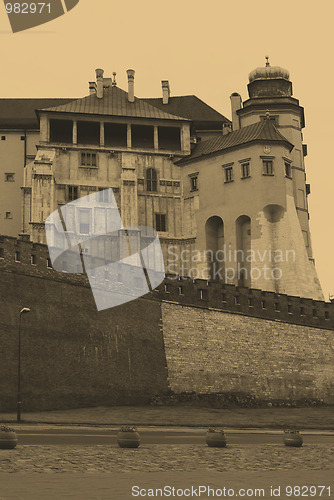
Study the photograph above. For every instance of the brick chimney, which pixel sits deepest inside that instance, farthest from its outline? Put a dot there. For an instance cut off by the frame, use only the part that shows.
(131, 85)
(235, 105)
(165, 91)
(99, 83)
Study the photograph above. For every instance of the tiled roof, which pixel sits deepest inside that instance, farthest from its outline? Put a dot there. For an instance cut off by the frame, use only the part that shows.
(190, 107)
(263, 130)
(114, 103)
(20, 113)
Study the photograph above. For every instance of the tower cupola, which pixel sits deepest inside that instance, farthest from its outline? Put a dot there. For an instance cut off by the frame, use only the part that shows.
(269, 81)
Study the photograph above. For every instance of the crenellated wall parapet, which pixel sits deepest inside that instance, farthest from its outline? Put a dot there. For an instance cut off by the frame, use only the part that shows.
(247, 301)
(32, 259)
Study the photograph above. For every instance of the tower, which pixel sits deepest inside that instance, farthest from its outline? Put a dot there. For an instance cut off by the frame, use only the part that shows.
(252, 220)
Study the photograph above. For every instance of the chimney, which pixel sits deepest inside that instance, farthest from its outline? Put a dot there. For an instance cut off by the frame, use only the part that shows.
(235, 105)
(227, 128)
(165, 91)
(99, 83)
(92, 88)
(131, 85)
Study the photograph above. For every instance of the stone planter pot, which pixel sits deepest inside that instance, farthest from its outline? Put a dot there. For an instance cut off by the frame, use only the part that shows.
(128, 439)
(216, 439)
(8, 440)
(293, 439)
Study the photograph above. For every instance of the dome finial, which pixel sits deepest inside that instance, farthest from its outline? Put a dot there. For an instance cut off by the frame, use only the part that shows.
(114, 84)
(267, 63)
(267, 115)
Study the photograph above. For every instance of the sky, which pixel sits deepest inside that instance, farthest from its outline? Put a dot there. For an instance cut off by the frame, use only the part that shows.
(202, 48)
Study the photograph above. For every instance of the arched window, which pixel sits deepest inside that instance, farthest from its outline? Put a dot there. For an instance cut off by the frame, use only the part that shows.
(151, 180)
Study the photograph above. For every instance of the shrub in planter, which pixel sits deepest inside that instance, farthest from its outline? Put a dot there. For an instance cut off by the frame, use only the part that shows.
(128, 437)
(8, 438)
(216, 438)
(292, 438)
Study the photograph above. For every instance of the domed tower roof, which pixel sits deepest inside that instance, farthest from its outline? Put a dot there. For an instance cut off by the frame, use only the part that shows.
(269, 81)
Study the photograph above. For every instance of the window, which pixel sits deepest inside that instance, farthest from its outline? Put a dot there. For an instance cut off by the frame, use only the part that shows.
(228, 174)
(250, 302)
(17, 257)
(103, 195)
(48, 262)
(3, 137)
(268, 167)
(8, 215)
(194, 183)
(9, 177)
(160, 222)
(1, 253)
(276, 306)
(289, 308)
(180, 290)
(72, 193)
(151, 180)
(88, 159)
(84, 221)
(33, 260)
(326, 314)
(22, 138)
(263, 304)
(245, 170)
(302, 311)
(288, 169)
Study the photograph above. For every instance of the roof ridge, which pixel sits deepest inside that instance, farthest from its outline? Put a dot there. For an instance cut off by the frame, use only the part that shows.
(114, 103)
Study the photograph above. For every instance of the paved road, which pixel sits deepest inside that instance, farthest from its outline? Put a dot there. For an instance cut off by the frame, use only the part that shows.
(90, 437)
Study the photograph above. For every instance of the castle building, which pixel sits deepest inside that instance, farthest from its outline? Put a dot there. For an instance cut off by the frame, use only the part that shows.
(229, 200)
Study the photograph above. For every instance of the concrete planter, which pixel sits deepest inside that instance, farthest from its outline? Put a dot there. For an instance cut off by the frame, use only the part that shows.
(292, 438)
(8, 439)
(216, 438)
(128, 438)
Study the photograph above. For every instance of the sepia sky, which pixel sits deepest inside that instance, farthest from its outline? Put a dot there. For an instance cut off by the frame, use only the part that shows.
(202, 48)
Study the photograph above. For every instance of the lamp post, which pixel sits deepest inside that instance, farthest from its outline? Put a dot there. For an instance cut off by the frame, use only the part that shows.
(25, 310)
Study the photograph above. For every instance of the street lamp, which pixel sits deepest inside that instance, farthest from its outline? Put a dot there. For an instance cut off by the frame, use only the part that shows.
(25, 310)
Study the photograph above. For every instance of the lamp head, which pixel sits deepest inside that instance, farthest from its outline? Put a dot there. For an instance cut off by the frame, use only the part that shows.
(25, 310)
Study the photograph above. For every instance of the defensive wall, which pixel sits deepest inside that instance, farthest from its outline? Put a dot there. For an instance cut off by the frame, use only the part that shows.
(186, 336)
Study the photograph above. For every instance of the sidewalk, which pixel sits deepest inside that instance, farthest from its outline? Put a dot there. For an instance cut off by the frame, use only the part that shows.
(321, 418)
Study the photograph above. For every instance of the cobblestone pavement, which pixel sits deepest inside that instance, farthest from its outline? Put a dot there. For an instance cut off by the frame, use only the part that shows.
(119, 486)
(155, 458)
(108, 472)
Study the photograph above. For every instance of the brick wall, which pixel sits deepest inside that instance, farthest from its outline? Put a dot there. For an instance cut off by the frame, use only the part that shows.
(211, 351)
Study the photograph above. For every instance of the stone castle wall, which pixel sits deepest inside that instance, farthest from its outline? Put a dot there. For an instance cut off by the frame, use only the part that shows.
(185, 336)
(72, 355)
